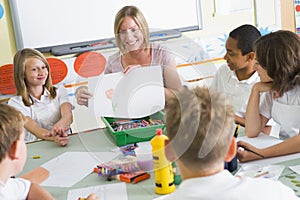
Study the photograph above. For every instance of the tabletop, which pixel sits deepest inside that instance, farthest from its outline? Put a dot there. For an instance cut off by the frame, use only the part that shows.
(100, 140)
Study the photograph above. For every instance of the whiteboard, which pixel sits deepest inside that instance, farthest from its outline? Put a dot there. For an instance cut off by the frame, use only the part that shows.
(47, 23)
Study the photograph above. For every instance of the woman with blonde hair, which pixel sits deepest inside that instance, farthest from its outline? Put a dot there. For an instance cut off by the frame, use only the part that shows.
(132, 38)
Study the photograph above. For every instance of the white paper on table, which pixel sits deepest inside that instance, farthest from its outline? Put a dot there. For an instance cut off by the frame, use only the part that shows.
(295, 168)
(104, 192)
(263, 141)
(261, 171)
(161, 197)
(138, 94)
(70, 167)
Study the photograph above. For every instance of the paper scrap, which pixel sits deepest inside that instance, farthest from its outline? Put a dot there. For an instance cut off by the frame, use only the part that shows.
(263, 141)
(104, 192)
(261, 171)
(295, 168)
(70, 167)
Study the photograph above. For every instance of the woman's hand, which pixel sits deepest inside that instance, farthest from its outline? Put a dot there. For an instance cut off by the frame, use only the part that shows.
(82, 95)
(130, 68)
(93, 196)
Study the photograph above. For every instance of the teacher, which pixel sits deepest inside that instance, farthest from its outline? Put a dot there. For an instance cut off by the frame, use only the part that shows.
(132, 38)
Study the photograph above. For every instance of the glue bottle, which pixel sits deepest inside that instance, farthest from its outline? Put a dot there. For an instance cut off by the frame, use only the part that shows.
(163, 171)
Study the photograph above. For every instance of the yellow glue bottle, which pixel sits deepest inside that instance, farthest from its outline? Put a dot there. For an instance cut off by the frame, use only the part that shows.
(163, 172)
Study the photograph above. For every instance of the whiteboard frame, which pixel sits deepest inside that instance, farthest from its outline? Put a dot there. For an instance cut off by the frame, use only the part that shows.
(21, 40)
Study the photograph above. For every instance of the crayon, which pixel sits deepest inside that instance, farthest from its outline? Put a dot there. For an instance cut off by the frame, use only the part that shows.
(36, 157)
(236, 132)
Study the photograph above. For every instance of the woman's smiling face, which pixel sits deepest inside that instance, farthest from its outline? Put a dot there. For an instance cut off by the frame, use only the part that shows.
(131, 35)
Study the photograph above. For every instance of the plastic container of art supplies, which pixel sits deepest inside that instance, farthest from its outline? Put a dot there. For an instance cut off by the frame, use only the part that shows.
(163, 171)
(120, 165)
(143, 154)
(128, 131)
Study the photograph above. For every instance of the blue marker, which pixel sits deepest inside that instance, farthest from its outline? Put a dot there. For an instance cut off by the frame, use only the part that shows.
(158, 35)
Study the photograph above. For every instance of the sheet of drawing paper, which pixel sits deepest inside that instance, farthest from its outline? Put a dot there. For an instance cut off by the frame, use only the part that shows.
(161, 197)
(80, 122)
(263, 141)
(261, 171)
(70, 167)
(295, 168)
(137, 94)
(104, 192)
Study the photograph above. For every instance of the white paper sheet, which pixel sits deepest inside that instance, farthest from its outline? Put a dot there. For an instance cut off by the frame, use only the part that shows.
(83, 120)
(261, 171)
(104, 192)
(295, 168)
(263, 141)
(161, 197)
(138, 94)
(70, 167)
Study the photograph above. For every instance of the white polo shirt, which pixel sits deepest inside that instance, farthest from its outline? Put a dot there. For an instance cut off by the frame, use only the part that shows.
(237, 91)
(14, 189)
(225, 186)
(284, 111)
(46, 111)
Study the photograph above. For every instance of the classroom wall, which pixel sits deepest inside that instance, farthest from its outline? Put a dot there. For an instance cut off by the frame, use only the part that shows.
(213, 23)
(287, 15)
(7, 40)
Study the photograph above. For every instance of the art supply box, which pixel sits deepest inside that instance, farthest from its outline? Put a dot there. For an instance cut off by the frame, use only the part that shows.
(136, 134)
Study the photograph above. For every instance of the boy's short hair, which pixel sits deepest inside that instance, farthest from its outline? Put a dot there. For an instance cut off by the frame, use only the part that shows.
(11, 126)
(199, 125)
(246, 35)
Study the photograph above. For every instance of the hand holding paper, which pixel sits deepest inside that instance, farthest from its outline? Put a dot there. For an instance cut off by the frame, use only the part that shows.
(130, 67)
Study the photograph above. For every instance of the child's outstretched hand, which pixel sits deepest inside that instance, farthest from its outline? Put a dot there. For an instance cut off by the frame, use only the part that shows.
(59, 135)
(247, 152)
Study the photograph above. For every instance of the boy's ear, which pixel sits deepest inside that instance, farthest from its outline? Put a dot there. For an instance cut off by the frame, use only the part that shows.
(231, 151)
(13, 151)
(169, 151)
(251, 56)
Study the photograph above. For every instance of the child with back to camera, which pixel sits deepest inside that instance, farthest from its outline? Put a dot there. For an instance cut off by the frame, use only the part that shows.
(199, 125)
(13, 154)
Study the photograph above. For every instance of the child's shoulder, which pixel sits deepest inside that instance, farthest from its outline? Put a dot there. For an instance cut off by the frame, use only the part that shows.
(16, 99)
(223, 71)
(18, 187)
